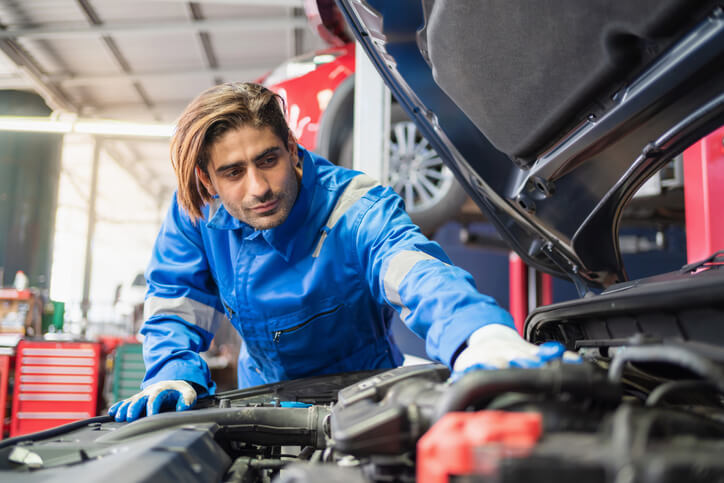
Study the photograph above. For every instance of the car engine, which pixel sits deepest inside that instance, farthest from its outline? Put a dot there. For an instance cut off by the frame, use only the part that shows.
(563, 422)
(645, 405)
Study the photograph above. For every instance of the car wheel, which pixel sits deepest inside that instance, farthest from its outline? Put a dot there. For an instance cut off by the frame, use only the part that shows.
(432, 195)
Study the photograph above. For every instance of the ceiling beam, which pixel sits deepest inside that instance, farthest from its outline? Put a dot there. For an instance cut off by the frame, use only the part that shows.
(14, 82)
(207, 49)
(175, 75)
(53, 95)
(116, 53)
(246, 24)
(29, 69)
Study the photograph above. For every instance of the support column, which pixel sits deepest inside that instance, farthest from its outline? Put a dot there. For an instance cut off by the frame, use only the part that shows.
(91, 228)
(371, 149)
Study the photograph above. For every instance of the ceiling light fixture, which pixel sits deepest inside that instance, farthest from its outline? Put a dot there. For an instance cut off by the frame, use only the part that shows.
(99, 127)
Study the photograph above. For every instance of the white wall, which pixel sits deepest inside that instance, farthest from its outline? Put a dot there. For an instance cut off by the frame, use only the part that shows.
(127, 222)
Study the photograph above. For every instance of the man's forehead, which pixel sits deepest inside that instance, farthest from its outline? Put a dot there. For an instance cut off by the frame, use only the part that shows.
(244, 144)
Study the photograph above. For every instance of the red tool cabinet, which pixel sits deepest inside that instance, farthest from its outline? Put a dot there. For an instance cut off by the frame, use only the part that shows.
(4, 381)
(55, 383)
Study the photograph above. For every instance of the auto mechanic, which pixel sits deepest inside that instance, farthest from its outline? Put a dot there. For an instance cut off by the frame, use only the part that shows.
(307, 260)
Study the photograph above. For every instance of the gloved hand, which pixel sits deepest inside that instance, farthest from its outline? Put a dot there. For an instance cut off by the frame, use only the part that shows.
(163, 395)
(497, 346)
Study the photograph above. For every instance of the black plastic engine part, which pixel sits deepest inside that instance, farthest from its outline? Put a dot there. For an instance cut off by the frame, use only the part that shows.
(376, 387)
(684, 392)
(480, 387)
(634, 444)
(257, 425)
(56, 431)
(310, 390)
(386, 413)
(679, 356)
(179, 454)
(673, 306)
(307, 473)
(381, 418)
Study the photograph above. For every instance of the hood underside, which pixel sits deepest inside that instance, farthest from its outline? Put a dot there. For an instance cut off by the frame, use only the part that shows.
(552, 114)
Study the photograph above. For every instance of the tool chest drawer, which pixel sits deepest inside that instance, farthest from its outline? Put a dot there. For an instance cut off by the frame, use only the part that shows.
(55, 383)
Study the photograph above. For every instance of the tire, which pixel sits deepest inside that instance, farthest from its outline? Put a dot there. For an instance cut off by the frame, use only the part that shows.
(431, 193)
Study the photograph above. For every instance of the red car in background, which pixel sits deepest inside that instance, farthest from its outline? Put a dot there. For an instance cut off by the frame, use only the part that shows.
(308, 84)
(318, 89)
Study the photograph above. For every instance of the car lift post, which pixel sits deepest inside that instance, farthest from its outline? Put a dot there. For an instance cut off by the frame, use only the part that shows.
(528, 289)
(704, 196)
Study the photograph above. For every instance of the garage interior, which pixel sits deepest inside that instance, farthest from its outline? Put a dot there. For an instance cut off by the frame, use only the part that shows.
(89, 94)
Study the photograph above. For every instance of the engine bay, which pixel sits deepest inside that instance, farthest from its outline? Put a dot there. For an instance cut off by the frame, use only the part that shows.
(588, 422)
(645, 405)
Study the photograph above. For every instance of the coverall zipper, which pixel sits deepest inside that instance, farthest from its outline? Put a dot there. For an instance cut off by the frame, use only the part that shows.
(231, 312)
(279, 333)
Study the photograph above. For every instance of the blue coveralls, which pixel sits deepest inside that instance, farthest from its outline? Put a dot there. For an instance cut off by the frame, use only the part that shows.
(312, 296)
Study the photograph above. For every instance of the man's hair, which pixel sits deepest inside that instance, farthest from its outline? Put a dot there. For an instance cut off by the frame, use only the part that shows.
(211, 115)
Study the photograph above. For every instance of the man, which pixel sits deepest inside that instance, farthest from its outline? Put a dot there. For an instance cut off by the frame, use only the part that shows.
(306, 259)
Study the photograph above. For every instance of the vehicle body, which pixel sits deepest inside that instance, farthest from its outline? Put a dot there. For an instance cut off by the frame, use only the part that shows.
(641, 81)
(307, 84)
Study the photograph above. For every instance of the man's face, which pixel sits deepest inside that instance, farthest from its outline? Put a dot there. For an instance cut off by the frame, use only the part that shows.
(254, 174)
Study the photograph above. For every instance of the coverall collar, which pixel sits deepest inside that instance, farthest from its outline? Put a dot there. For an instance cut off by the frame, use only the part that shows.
(280, 238)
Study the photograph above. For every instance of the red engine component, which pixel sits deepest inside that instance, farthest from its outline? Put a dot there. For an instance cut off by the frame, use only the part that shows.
(463, 443)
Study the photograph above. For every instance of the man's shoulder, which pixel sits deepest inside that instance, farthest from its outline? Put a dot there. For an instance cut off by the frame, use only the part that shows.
(328, 175)
(338, 180)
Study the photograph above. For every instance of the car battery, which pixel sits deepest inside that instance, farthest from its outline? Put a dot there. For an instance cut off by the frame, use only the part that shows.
(465, 444)
(55, 383)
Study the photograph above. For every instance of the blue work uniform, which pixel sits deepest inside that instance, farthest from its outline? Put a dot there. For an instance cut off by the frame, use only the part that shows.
(312, 296)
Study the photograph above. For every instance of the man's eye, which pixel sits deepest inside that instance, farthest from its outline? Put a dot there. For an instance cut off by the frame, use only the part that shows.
(234, 173)
(268, 161)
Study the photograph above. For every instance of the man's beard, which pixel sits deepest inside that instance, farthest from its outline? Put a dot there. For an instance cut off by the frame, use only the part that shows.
(285, 199)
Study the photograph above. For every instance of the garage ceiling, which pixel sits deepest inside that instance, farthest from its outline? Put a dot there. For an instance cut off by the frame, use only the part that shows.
(142, 60)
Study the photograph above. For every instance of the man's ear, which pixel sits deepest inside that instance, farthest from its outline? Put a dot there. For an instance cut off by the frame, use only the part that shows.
(292, 148)
(201, 175)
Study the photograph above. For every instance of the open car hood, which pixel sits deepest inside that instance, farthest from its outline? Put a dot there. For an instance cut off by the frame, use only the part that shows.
(552, 114)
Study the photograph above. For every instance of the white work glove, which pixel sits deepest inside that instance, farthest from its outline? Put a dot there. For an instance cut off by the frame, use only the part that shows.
(497, 346)
(163, 395)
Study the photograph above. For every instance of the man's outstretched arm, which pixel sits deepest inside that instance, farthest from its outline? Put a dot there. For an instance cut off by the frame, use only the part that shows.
(462, 328)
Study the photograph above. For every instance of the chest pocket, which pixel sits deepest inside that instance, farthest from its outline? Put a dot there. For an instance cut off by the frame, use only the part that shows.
(322, 341)
(290, 331)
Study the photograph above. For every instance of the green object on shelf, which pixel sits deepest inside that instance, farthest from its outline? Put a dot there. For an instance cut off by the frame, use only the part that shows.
(53, 314)
(58, 315)
(128, 371)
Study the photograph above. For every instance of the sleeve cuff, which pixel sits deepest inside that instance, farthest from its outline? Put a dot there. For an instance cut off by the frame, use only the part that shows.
(453, 338)
(180, 370)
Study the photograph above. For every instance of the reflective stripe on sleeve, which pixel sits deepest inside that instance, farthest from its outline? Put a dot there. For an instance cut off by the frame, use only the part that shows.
(399, 266)
(356, 189)
(189, 310)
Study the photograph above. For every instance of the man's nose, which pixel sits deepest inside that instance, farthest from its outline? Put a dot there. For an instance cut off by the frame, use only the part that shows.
(257, 184)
